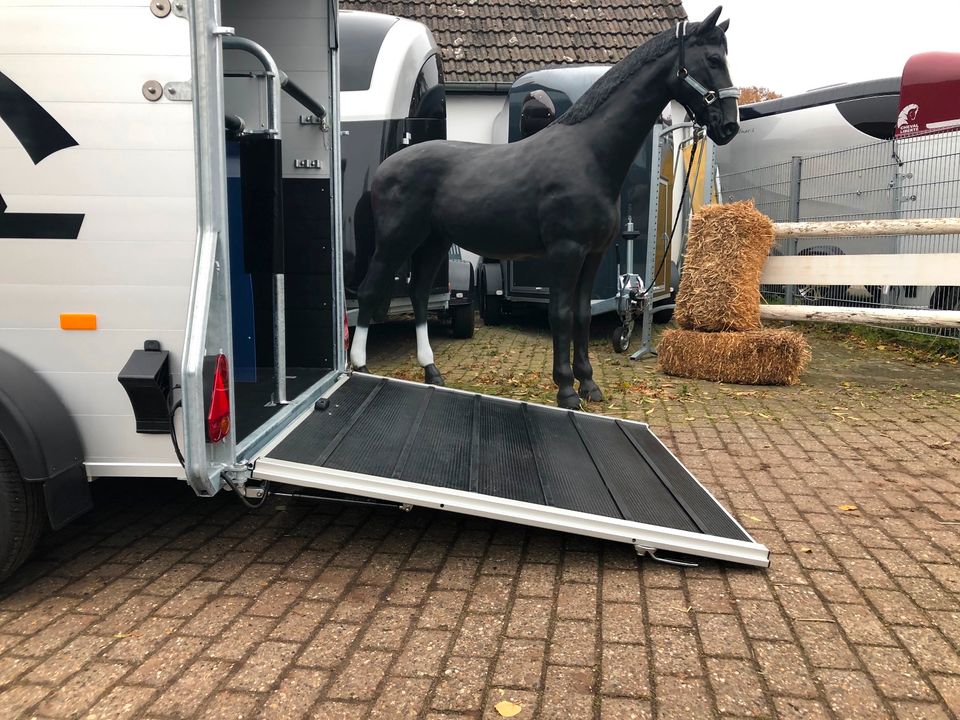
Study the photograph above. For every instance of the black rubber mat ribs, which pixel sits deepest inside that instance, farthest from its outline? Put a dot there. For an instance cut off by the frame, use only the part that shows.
(518, 451)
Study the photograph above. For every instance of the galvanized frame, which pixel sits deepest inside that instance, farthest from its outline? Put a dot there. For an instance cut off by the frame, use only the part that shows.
(209, 328)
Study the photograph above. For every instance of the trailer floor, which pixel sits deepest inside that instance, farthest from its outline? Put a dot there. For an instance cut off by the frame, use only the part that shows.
(537, 457)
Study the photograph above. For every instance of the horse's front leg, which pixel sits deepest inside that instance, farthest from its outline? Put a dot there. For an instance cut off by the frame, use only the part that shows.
(566, 266)
(582, 369)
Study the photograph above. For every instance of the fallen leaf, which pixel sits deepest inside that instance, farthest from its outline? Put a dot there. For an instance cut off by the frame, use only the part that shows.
(507, 708)
(806, 550)
(847, 508)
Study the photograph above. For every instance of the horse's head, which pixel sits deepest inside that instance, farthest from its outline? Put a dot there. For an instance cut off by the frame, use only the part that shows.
(702, 82)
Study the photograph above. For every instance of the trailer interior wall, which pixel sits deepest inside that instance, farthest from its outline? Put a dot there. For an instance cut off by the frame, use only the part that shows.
(130, 174)
(296, 35)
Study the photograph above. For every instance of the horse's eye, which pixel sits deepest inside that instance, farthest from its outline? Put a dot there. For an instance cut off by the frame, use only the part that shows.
(715, 61)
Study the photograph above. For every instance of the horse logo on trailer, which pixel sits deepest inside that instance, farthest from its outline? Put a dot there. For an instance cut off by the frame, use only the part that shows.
(41, 136)
(906, 120)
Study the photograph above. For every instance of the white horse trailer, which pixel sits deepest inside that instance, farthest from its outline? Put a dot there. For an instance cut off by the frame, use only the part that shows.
(171, 236)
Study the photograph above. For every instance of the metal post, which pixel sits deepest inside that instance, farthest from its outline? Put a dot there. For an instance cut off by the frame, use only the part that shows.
(793, 215)
(646, 328)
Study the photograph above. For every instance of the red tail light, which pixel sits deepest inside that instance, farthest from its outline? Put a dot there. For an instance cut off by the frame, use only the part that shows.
(218, 418)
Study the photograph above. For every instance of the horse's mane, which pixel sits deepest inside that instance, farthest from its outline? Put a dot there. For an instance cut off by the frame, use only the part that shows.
(602, 89)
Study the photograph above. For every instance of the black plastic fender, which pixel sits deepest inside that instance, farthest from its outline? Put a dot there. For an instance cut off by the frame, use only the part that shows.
(493, 275)
(461, 282)
(43, 440)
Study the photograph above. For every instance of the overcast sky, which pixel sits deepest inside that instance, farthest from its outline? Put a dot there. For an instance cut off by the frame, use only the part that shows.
(795, 45)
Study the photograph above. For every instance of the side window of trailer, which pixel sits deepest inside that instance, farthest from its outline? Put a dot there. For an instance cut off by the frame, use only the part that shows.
(874, 116)
(429, 96)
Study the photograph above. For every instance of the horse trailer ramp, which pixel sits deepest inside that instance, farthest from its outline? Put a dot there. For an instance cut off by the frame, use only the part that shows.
(564, 470)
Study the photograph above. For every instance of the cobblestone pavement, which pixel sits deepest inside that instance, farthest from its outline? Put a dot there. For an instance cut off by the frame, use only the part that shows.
(161, 605)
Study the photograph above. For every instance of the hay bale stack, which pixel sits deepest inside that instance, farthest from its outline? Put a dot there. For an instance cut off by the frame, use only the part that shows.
(720, 286)
(755, 357)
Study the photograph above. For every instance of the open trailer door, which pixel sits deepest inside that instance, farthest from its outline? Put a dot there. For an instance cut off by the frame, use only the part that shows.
(530, 464)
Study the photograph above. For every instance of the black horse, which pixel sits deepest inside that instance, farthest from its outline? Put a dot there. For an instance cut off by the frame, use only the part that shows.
(551, 195)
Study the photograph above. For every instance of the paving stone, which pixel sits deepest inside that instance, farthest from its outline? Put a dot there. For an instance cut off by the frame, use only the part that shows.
(737, 687)
(783, 668)
(893, 673)
(359, 678)
(683, 698)
(625, 671)
(423, 653)
(568, 693)
(573, 643)
(520, 664)
(461, 685)
(851, 695)
(185, 697)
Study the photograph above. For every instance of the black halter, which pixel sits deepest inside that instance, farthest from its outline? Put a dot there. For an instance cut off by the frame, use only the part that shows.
(709, 96)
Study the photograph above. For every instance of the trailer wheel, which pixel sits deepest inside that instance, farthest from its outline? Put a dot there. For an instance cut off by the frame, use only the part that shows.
(21, 515)
(662, 317)
(620, 340)
(462, 321)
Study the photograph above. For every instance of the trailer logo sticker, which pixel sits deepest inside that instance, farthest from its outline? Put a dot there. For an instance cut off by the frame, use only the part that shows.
(41, 136)
(906, 120)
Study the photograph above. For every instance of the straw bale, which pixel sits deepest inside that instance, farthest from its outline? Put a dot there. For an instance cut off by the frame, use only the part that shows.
(755, 357)
(720, 285)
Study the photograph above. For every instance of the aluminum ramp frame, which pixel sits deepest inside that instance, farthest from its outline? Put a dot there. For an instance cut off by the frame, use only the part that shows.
(530, 464)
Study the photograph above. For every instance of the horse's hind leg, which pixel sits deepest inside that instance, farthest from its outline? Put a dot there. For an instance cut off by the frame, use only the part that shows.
(423, 270)
(582, 369)
(374, 294)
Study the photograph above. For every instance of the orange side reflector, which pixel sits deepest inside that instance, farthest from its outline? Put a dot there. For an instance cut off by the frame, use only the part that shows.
(78, 321)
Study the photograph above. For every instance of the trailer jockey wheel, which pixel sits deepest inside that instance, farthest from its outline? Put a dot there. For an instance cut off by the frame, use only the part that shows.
(22, 516)
(620, 339)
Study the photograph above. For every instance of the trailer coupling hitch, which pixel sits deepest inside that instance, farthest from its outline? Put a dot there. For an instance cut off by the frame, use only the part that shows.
(644, 550)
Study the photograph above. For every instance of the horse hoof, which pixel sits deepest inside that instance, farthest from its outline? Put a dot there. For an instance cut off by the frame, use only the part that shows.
(591, 392)
(362, 369)
(432, 376)
(568, 400)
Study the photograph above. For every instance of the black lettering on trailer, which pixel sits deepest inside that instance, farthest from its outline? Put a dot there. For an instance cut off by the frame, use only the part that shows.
(41, 136)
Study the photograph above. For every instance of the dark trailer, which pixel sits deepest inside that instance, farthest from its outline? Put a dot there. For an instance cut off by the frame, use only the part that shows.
(392, 96)
(535, 100)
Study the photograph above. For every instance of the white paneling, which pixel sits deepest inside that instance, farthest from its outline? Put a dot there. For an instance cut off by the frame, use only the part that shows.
(92, 30)
(161, 125)
(78, 170)
(117, 219)
(127, 307)
(929, 269)
(82, 351)
(93, 78)
(70, 262)
(92, 393)
(114, 438)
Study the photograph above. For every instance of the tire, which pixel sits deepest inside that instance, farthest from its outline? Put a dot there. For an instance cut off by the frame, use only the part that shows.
(662, 317)
(462, 321)
(21, 515)
(619, 340)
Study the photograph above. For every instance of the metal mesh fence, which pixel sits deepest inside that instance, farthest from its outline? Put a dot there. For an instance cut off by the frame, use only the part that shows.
(916, 177)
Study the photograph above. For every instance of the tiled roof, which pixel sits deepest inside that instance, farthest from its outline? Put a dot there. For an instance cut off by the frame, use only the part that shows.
(498, 40)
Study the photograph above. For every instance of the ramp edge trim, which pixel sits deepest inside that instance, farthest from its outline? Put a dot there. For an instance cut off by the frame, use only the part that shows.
(403, 492)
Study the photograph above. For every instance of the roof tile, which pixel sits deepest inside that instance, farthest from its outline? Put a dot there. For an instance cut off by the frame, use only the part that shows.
(499, 40)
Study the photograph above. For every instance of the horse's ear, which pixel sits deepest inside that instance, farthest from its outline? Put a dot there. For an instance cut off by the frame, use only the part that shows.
(725, 25)
(710, 21)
